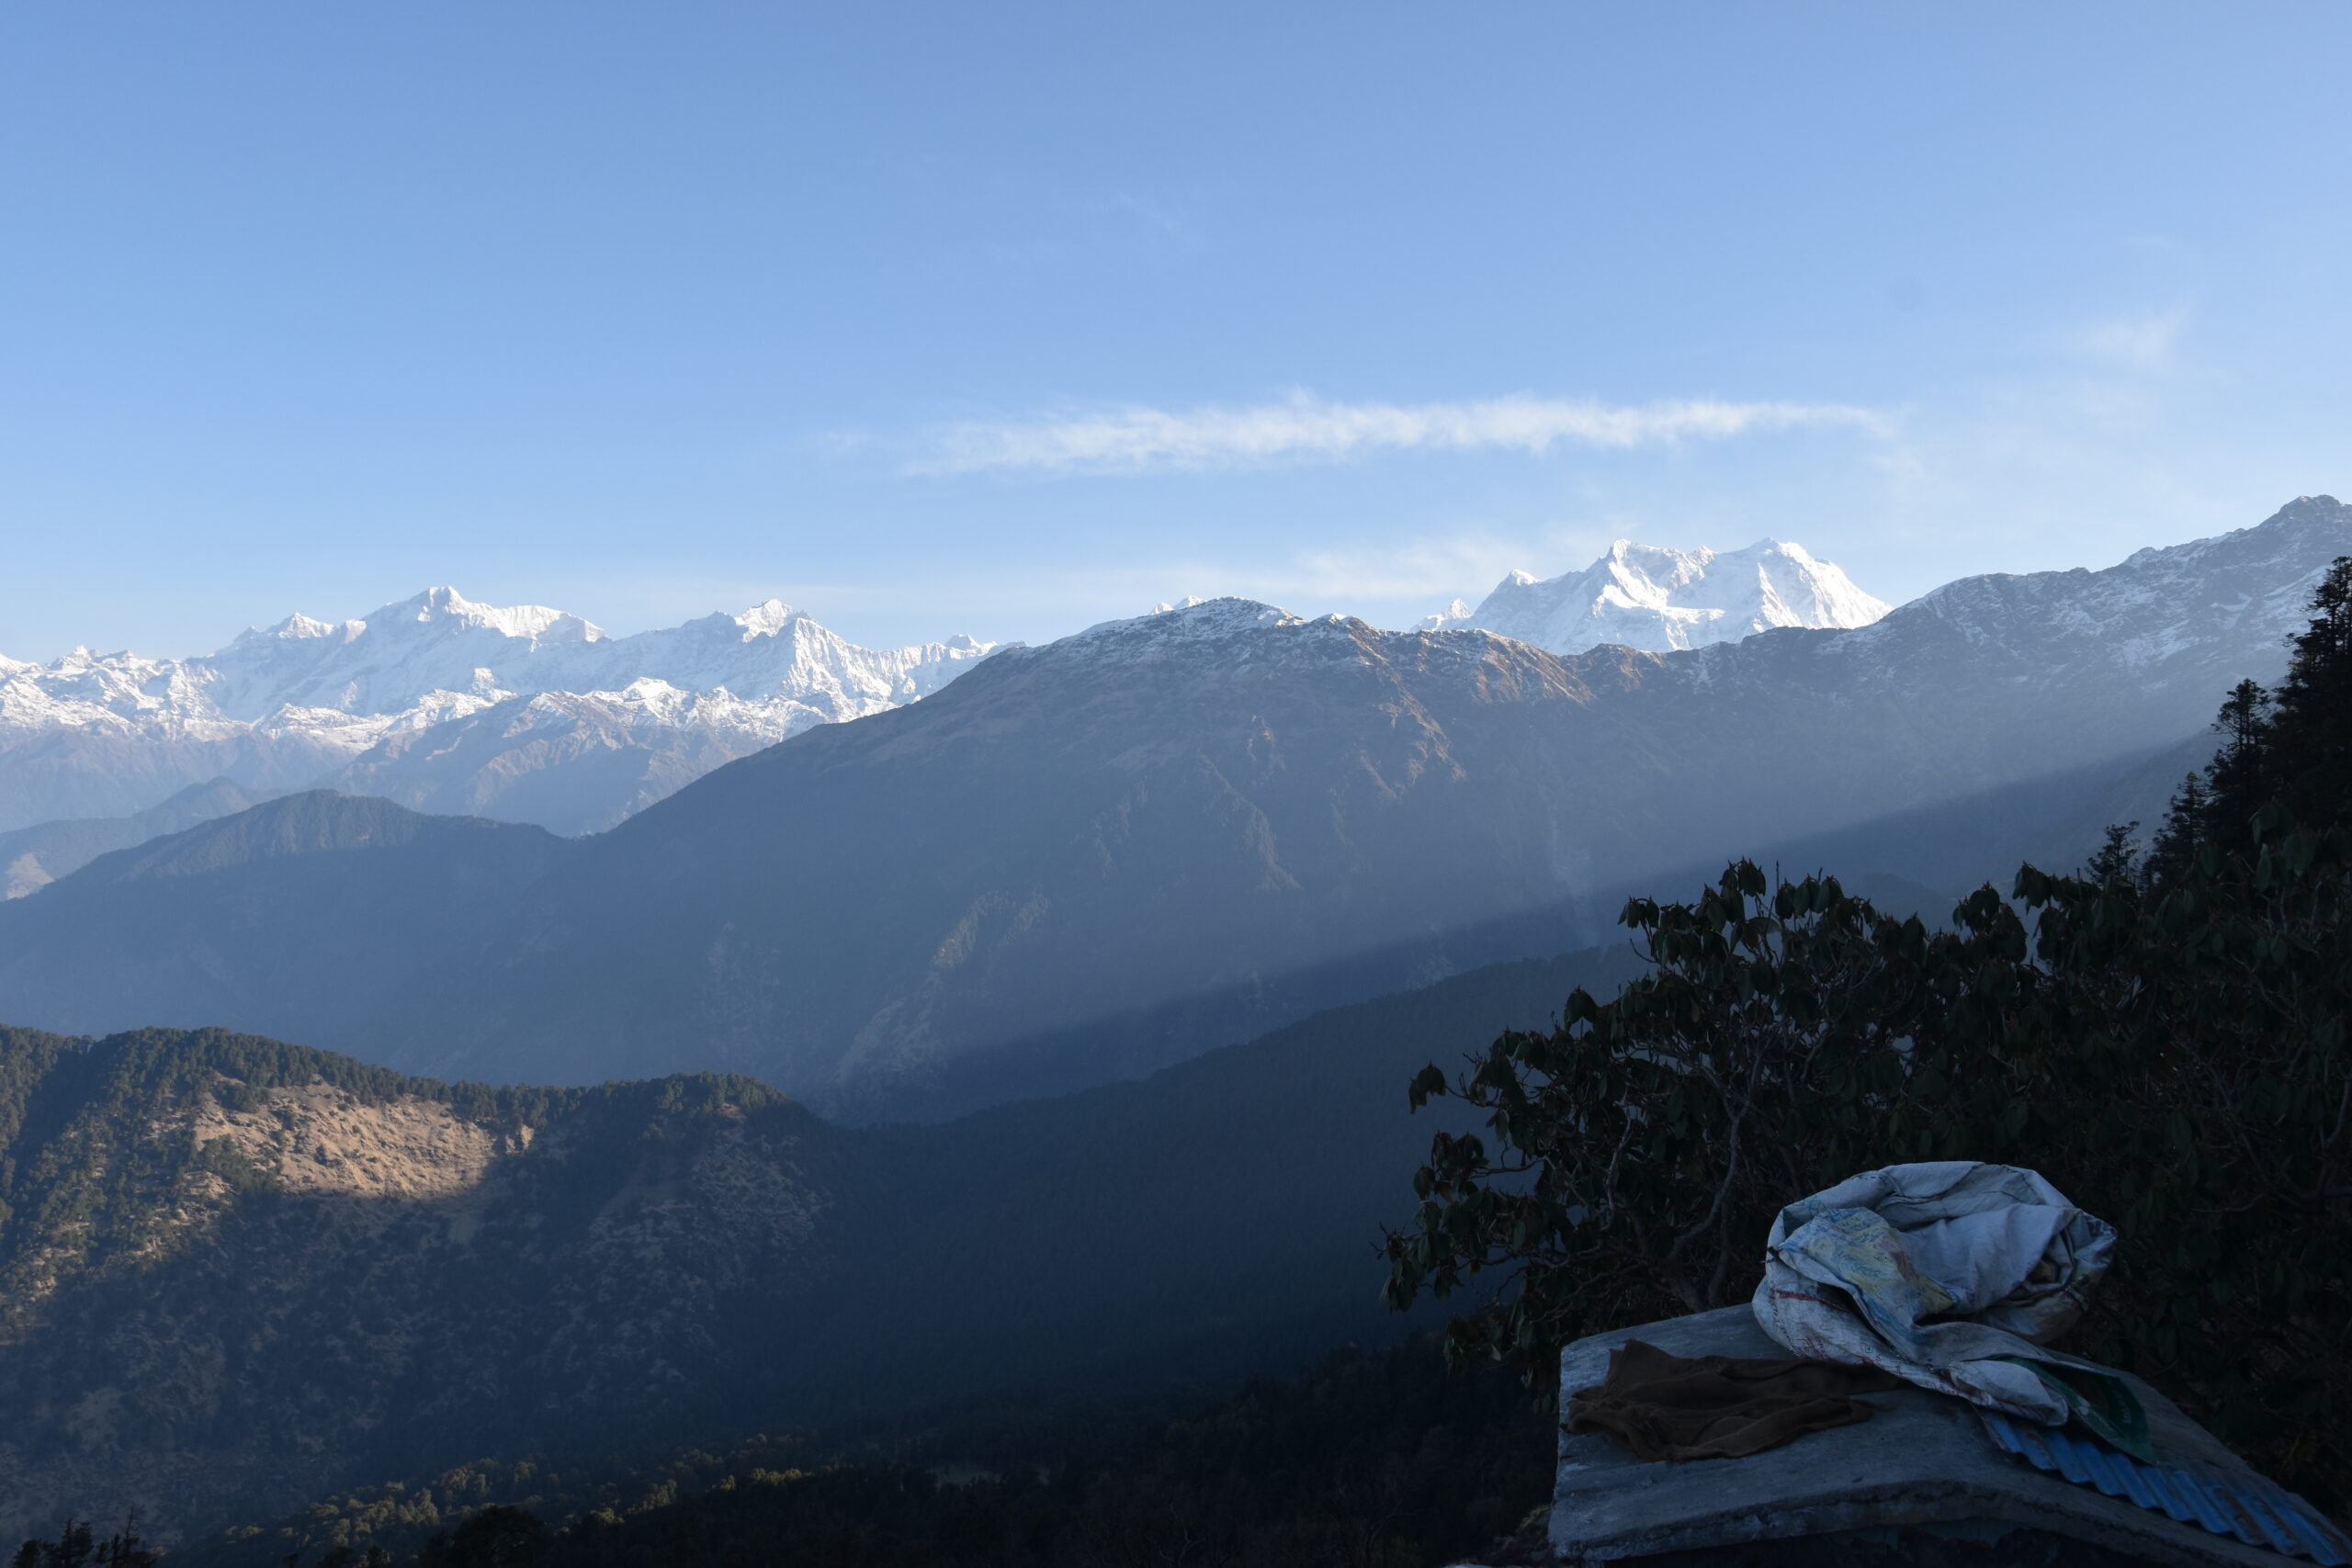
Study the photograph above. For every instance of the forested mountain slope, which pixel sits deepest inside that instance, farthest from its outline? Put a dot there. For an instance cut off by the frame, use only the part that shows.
(238, 1274)
(1387, 1449)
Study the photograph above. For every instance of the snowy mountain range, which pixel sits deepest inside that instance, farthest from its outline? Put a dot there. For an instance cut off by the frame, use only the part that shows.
(1657, 599)
(1090, 858)
(524, 712)
(529, 714)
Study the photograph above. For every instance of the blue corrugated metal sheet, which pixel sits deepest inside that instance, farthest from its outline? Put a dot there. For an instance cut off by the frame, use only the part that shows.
(2267, 1515)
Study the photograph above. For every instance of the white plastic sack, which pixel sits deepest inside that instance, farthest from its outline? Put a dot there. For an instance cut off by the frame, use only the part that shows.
(1930, 1271)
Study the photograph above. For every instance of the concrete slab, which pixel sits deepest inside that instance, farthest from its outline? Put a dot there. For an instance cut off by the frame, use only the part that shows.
(1924, 1461)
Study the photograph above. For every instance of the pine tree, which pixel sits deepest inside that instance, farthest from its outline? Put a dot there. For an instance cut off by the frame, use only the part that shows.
(2311, 732)
(2290, 748)
(2241, 775)
(2187, 819)
(125, 1550)
(2116, 864)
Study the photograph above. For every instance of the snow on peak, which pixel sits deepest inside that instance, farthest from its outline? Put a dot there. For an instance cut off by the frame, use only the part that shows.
(1223, 614)
(299, 627)
(529, 623)
(765, 619)
(1193, 618)
(318, 696)
(1649, 596)
(1229, 633)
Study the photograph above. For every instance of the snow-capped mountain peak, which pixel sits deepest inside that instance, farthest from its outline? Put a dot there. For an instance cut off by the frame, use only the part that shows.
(299, 628)
(536, 623)
(423, 700)
(1170, 624)
(1653, 597)
(1454, 614)
(765, 619)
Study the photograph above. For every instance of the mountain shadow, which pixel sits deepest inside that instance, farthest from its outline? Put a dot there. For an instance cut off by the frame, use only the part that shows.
(238, 1274)
(310, 916)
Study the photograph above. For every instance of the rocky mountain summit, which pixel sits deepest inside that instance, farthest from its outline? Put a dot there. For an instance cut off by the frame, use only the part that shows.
(1658, 599)
(524, 712)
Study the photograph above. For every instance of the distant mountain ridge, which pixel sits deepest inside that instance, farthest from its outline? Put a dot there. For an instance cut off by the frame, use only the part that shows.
(1088, 838)
(305, 915)
(525, 712)
(1659, 599)
(1224, 792)
(32, 858)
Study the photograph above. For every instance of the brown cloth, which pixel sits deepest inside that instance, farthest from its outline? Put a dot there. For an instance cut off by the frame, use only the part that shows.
(1665, 1406)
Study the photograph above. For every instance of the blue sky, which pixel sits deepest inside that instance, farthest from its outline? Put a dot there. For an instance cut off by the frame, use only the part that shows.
(1010, 319)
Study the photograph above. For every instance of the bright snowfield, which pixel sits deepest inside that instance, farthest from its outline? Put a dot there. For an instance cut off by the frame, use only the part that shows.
(1649, 597)
(525, 713)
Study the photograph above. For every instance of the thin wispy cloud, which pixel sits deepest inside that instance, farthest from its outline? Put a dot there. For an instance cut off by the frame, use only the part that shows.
(2142, 343)
(1163, 219)
(1434, 568)
(1303, 428)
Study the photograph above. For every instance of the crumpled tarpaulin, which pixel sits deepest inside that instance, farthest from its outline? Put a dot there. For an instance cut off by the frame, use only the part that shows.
(1665, 1406)
(1953, 1276)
